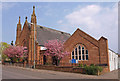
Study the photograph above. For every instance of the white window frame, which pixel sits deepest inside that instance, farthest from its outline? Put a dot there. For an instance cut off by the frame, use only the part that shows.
(77, 47)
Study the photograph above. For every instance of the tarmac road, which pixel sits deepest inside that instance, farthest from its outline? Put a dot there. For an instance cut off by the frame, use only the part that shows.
(10, 72)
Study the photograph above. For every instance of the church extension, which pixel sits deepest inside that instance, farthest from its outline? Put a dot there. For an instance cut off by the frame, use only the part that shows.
(82, 46)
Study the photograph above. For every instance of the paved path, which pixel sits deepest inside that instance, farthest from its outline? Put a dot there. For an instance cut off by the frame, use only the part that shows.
(10, 72)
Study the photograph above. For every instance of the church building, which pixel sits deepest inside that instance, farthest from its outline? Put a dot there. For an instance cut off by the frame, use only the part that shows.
(83, 47)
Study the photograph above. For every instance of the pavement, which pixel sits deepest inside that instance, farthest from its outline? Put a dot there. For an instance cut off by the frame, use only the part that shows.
(12, 72)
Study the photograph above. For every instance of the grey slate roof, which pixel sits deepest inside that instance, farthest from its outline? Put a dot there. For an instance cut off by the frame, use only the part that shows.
(44, 34)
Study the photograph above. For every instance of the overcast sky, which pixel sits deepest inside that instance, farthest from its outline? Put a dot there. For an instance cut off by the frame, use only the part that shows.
(96, 19)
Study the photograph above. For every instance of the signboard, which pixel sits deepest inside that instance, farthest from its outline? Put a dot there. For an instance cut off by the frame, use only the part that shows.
(73, 61)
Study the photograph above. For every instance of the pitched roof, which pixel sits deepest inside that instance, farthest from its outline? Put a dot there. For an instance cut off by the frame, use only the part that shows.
(44, 34)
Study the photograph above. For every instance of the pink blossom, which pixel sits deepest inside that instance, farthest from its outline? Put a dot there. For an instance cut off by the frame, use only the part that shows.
(55, 48)
(15, 51)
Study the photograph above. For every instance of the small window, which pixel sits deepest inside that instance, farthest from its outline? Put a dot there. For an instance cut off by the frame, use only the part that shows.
(79, 48)
(76, 53)
(86, 54)
(79, 57)
(72, 54)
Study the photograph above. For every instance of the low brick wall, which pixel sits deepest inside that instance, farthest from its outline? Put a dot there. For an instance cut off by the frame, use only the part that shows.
(78, 70)
(105, 70)
(61, 68)
(68, 69)
(45, 67)
(64, 68)
(15, 64)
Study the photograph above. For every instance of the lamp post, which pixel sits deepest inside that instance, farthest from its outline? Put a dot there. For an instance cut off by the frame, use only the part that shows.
(34, 45)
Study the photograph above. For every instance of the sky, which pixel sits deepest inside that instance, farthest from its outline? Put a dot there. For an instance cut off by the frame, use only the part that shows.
(95, 18)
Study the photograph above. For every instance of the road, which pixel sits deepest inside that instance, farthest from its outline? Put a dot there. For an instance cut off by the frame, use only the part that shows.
(10, 72)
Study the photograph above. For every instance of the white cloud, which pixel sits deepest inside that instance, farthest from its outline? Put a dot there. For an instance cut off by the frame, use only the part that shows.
(92, 16)
(96, 21)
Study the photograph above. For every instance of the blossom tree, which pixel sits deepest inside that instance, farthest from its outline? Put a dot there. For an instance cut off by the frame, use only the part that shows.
(55, 48)
(16, 52)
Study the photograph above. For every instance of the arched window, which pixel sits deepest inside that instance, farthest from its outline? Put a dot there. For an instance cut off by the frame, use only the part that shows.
(80, 53)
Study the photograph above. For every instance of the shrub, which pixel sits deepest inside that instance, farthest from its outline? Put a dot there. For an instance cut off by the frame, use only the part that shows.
(92, 69)
(85, 65)
(99, 68)
(81, 65)
(92, 64)
(47, 63)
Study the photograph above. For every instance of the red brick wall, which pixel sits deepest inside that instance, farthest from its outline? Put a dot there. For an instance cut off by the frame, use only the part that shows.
(18, 32)
(24, 36)
(97, 50)
(103, 46)
(90, 43)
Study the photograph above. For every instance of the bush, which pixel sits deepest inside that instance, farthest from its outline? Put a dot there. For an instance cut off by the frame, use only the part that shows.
(81, 65)
(92, 64)
(85, 65)
(46, 63)
(99, 68)
(92, 69)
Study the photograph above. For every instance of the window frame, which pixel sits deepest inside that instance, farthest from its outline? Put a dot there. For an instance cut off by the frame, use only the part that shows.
(86, 54)
(73, 54)
(80, 51)
(76, 53)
